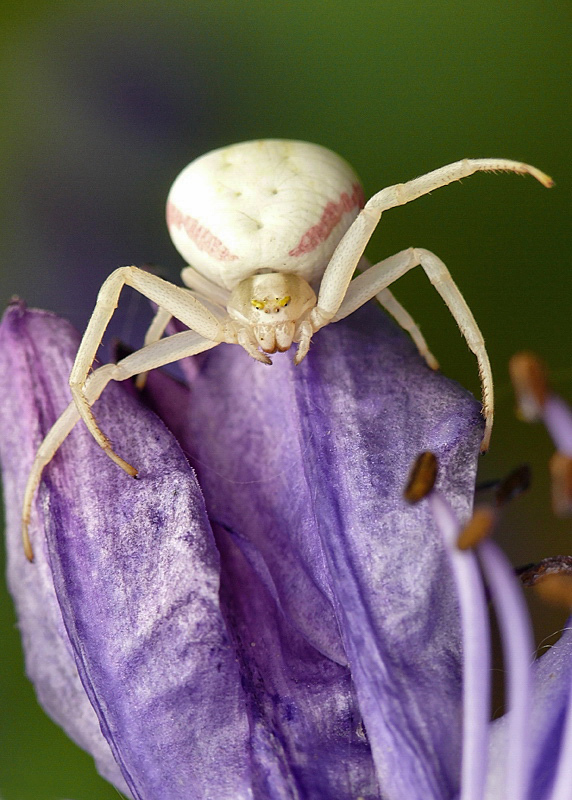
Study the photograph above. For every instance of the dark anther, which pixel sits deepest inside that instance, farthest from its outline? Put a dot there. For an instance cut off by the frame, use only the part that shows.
(478, 528)
(517, 482)
(421, 478)
(487, 486)
(502, 490)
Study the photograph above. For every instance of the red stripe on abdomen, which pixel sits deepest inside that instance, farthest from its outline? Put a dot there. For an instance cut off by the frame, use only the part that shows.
(330, 218)
(204, 239)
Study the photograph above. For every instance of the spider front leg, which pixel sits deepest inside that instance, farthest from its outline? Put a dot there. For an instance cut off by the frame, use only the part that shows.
(401, 193)
(406, 321)
(175, 301)
(338, 273)
(377, 278)
(173, 348)
(347, 254)
(391, 304)
(201, 288)
(154, 333)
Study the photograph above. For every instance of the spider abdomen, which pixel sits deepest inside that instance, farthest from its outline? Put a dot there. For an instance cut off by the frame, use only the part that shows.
(262, 206)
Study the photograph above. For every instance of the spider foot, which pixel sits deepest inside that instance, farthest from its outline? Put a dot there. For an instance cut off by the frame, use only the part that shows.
(121, 462)
(431, 360)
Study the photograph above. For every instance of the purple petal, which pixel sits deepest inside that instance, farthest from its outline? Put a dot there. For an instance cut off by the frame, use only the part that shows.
(548, 707)
(25, 399)
(562, 774)
(307, 734)
(303, 468)
(307, 737)
(136, 574)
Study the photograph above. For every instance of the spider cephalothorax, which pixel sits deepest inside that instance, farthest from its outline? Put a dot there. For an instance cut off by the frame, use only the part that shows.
(274, 308)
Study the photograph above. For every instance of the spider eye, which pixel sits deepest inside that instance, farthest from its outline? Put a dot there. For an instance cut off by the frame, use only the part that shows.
(283, 301)
(257, 304)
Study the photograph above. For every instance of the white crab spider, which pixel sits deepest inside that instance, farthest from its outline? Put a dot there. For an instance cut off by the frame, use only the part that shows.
(274, 231)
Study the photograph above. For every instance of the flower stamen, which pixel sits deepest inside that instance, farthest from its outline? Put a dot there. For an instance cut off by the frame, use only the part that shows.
(421, 478)
(561, 473)
(474, 625)
(514, 484)
(467, 548)
(528, 376)
(518, 653)
(476, 652)
(537, 401)
(479, 527)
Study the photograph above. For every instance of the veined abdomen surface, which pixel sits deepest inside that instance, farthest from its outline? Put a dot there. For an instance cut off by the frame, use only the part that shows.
(270, 205)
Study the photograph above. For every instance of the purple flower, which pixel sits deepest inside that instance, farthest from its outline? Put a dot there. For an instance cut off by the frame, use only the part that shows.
(525, 754)
(291, 628)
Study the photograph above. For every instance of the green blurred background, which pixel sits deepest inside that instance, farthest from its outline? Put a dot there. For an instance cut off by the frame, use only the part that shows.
(103, 103)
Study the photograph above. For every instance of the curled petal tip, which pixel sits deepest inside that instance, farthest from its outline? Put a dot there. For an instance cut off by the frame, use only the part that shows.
(531, 574)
